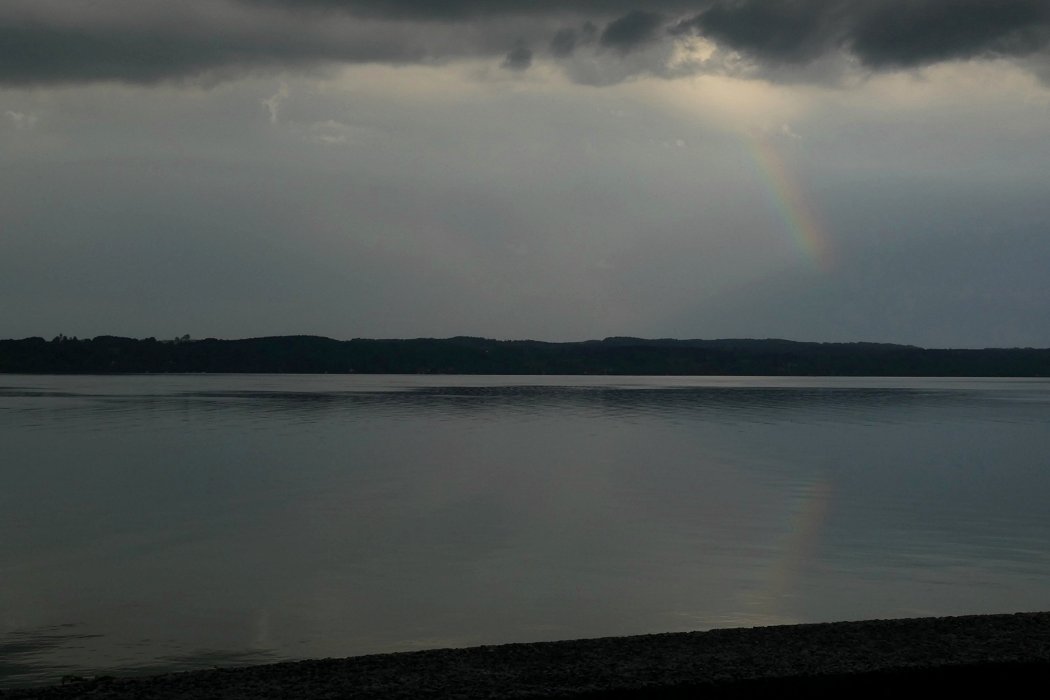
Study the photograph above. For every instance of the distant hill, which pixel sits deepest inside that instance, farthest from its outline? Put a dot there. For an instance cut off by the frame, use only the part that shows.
(464, 355)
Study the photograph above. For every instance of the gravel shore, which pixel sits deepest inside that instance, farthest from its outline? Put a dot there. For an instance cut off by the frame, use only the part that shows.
(983, 653)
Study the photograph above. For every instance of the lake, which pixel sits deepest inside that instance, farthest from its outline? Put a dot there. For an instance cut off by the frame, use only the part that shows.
(159, 523)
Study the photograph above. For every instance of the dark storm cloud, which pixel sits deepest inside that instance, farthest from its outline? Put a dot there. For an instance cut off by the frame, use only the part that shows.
(631, 31)
(474, 9)
(143, 41)
(923, 32)
(566, 40)
(149, 42)
(519, 58)
(792, 31)
(48, 54)
(884, 34)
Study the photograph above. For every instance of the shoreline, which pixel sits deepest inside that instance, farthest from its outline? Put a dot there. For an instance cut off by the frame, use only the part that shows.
(973, 652)
(616, 356)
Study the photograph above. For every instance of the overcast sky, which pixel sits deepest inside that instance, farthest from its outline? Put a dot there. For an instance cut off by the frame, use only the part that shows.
(832, 170)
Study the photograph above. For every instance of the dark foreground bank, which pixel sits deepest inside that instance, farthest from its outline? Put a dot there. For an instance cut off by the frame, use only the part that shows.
(982, 653)
(614, 356)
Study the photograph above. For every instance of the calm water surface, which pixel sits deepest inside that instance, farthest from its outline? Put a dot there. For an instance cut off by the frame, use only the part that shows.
(156, 523)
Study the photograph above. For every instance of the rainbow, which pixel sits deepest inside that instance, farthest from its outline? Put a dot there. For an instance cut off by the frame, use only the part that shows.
(794, 207)
(794, 552)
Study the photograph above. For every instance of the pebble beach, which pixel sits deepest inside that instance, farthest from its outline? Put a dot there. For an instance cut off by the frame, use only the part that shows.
(979, 652)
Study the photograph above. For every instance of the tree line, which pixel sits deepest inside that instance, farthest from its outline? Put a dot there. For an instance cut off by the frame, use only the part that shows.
(464, 355)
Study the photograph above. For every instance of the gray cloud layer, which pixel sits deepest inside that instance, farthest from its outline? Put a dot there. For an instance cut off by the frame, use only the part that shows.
(892, 33)
(144, 41)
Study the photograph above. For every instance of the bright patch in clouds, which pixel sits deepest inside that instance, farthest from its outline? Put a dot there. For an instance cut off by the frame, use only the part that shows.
(21, 120)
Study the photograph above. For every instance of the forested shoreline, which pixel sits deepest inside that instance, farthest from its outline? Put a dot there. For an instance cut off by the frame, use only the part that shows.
(465, 355)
